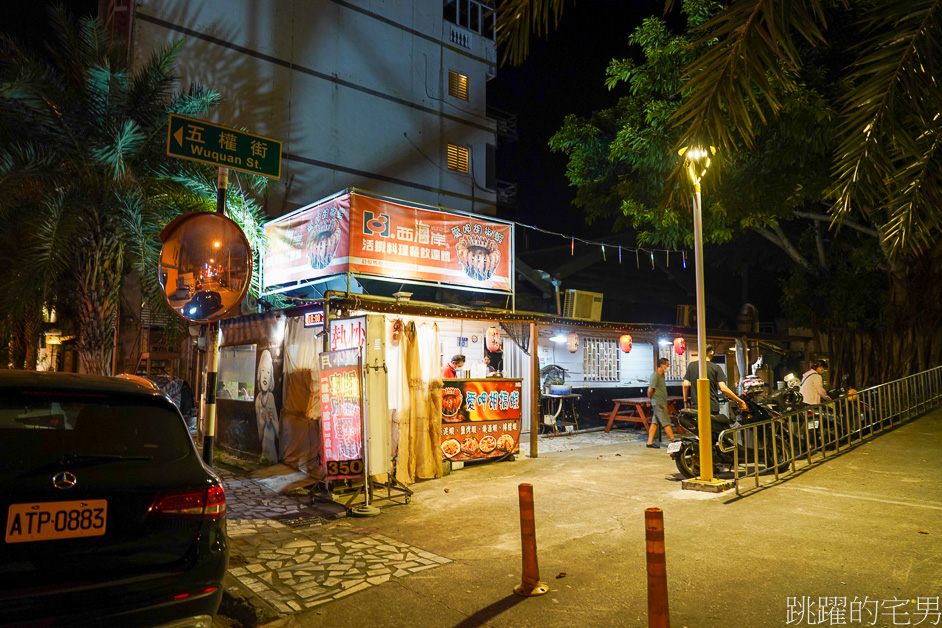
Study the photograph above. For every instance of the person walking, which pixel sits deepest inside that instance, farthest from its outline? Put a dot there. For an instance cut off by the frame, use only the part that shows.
(657, 393)
(812, 384)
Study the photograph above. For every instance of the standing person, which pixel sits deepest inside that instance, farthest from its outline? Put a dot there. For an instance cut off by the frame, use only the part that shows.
(657, 393)
(812, 384)
(451, 369)
(717, 383)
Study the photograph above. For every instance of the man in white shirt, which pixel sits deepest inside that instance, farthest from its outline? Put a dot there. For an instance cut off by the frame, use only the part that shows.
(812, 384)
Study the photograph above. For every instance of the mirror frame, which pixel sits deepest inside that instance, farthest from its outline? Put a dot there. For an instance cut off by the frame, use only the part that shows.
(172, 229)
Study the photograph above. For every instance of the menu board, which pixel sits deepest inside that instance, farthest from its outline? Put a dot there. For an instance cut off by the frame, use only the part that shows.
(480, 418)
(341, 414)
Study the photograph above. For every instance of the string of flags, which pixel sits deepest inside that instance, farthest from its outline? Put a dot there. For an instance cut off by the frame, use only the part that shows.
(621, 248)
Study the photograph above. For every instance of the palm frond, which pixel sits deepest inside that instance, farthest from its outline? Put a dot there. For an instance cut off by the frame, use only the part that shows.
(516, 19)
(887, 162)
(122, 145)
(755, 47)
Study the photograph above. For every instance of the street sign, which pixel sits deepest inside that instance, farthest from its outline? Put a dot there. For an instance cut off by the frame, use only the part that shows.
(217, 145)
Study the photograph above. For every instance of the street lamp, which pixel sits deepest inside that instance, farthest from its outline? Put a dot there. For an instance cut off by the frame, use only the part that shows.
(697, 160)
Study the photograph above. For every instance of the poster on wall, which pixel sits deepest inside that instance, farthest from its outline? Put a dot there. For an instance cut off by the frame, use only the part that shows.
(249, 385)
(480, 418)
(308, 244)
(341, 414)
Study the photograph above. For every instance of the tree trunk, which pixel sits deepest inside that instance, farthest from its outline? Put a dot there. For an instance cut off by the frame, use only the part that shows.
(99, 282)
(909, 339)
(32, 329)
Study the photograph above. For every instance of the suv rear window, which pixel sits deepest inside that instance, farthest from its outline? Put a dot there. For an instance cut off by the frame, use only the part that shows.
(42, 427)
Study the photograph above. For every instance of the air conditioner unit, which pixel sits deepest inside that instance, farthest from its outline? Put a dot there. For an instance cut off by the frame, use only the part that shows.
(583, 305)
(686, 316)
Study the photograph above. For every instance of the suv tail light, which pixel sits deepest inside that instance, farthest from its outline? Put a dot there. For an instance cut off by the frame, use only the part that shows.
(203, 503)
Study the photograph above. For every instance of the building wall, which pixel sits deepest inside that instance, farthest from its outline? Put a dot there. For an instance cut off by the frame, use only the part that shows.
(357, 90)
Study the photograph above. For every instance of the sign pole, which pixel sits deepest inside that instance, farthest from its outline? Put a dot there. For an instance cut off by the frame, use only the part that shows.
(212, 361)
(534, 389)
(364, 510)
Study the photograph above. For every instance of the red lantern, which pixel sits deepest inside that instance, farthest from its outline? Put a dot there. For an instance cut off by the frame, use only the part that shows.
(492, 339)
(625, 343)
(572, 342)
(680, 345)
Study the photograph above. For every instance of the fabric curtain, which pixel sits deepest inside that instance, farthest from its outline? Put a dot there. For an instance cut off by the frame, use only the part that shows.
(417, 420)
(302, 371)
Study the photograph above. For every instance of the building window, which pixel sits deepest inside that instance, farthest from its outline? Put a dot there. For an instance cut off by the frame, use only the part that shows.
(457, 158)
(677, 364)
(479, 17)
(600, 360)
(457, 85)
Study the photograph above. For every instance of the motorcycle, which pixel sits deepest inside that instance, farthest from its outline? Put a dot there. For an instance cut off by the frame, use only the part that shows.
(685, 452)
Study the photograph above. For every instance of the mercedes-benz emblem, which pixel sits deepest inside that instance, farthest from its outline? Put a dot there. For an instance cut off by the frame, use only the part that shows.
(64, 480)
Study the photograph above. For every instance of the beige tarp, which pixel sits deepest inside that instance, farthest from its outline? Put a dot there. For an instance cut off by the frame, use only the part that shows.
(419, 414)
(302, 373)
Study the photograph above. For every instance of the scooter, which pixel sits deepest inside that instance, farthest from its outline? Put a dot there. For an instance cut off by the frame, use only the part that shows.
(686, 451)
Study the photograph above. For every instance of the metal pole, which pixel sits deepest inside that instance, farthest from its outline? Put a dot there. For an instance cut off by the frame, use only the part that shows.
(534, 390)
(212, 359)
(703, 383)
(212, 362)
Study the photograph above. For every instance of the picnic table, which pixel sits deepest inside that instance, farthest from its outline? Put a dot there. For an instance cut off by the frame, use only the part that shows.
(632, 409)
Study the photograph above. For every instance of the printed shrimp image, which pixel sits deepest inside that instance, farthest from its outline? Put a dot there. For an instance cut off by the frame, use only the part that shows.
(479, 256)
(324, 235)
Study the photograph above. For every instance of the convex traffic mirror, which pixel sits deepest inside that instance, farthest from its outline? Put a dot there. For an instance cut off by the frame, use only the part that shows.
(205, 266)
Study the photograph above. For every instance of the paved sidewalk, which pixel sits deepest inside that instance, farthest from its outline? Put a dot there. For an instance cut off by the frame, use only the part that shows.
(292, 558)
(864, 526)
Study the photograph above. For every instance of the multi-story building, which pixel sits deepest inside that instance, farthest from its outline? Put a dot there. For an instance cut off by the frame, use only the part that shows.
(384, 96)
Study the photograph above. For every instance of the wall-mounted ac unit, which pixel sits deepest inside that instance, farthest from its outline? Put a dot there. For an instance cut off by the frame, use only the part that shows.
(686, 316)
(583, 305)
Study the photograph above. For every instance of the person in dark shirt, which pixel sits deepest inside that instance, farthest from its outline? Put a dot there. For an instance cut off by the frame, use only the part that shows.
(717, 383)
(451, 369)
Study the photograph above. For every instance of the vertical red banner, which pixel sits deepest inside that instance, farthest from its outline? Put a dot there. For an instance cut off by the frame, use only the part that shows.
(341, 414)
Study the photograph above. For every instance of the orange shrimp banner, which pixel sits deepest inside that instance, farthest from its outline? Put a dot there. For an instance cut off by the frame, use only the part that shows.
(480, 418)
(311, 243)
(377, 236)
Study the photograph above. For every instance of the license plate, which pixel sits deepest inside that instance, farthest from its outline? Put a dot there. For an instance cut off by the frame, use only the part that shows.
(673, 447)
(813, 425)
(47, 521)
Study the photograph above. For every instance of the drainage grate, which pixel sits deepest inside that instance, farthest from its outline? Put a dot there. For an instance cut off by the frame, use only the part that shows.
(299, 520)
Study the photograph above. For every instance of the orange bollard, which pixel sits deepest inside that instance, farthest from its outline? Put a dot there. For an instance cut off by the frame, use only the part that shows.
(530, 584)
(658, 615)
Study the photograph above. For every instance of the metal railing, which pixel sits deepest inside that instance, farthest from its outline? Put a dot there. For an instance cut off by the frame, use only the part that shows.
(773, 448)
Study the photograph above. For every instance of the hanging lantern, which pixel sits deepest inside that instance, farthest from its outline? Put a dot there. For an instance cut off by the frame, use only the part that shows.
(492, 339)
(572, 342)
(395, 332)
(680, 345)
(625, 343)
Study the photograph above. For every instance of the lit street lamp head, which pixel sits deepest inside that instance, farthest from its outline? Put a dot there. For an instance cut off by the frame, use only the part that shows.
(697, 161)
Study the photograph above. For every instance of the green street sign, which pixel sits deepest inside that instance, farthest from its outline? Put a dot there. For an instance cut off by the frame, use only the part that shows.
(198, 140)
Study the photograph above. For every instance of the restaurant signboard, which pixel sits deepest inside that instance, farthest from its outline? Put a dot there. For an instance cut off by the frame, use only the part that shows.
(370, 236)
(341, 414)
(480, 418)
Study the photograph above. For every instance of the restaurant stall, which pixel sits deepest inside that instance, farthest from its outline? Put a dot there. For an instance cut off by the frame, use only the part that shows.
(350, 385)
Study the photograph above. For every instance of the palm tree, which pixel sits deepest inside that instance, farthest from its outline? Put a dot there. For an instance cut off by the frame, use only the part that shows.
(84, 178)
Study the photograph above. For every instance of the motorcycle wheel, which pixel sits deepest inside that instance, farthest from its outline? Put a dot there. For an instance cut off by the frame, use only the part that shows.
(688, 460)
(778, 459)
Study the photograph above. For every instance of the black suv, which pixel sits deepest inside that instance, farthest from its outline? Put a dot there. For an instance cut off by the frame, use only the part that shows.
(110, 516)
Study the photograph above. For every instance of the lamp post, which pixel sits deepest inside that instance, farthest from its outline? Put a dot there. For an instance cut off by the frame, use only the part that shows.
(697, 161)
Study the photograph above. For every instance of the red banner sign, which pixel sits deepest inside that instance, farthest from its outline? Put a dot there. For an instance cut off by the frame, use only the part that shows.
(370, 236)
(480, 418)
(341, 414)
